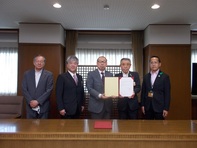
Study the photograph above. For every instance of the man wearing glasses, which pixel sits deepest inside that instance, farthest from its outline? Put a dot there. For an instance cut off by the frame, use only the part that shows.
(37, 86)
(100, 106)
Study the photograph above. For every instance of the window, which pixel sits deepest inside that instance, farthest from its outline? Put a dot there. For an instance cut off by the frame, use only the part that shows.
(194, 63)
(8, 62)
(89, 56)
(113, 47)
(8, 70)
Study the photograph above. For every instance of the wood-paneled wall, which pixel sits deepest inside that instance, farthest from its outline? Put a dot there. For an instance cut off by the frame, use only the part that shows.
(175, 61)
(194, 109)
(55, 59)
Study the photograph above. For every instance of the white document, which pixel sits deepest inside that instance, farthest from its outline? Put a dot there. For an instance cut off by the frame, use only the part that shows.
(126, 86)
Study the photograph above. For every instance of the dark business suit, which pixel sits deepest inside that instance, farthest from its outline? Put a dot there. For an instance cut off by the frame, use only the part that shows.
(95, 87)
(161, 94)
(128, 107)
(69, 95)
(41, 93)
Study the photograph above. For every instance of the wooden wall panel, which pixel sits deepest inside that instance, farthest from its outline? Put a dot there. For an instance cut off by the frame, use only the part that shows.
(54, 54)
(194, 109)
(175, 61)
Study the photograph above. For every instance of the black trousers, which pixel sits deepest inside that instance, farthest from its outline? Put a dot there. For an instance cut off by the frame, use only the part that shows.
(74, 116)
(152, 115)
(128, 114)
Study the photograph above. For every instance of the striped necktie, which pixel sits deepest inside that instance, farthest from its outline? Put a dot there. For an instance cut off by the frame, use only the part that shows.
(75, 79)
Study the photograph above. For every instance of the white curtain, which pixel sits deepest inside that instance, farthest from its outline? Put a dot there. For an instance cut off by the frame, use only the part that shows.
(194, 56)
(89, 56)
(8, 70)
(193, 60)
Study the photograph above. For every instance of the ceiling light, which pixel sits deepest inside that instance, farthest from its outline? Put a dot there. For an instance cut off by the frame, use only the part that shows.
(155, 6)
(57, 5)
(106, 7)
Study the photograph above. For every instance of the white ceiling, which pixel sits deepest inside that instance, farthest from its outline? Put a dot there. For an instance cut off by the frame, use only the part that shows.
(90, 15)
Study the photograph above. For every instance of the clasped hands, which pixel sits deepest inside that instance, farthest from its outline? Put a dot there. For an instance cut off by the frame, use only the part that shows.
(34, 103)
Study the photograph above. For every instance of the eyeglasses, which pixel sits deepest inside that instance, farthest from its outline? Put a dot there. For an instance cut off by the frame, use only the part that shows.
(102, 61)
(41, 62)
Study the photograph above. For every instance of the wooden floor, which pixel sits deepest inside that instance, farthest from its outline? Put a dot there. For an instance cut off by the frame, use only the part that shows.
(57, 133)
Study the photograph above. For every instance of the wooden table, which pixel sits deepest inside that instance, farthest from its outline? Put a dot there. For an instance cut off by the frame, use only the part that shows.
(57, 133)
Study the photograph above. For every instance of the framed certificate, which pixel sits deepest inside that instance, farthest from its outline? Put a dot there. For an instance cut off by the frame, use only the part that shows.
(111, 86)
(118, 86)
(126, 86)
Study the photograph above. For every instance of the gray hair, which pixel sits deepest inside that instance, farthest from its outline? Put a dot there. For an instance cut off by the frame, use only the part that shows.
(39, 55)
(72, 58)
(101, 57)
(127, 59)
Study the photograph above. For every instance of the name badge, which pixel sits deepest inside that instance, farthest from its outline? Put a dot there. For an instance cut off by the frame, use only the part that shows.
(150, 94)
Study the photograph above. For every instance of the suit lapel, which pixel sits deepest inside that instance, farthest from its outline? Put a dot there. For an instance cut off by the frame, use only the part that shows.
(107, 74)
(130, 74)
(149, 81)
(157, 79)
(120, 74)
(98, 75)
(33, 80)
(70, 78)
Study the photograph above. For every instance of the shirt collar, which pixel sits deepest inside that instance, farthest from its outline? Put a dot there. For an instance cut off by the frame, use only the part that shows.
(40, 71)
(155, 72)
(72, 74)
(125, 73)
(101, 71)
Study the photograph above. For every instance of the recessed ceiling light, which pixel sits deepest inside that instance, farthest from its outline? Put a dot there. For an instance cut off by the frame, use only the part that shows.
(106, 7)
(57, 5)
(155, 6)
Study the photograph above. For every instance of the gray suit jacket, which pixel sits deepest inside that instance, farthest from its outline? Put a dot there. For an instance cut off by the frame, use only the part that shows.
(41, 93)
(95, 87)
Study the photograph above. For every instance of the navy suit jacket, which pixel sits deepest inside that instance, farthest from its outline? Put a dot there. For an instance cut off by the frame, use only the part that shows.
(69, 95)
(41, 93)
(95, 87)
(133, 102)
(161, 92)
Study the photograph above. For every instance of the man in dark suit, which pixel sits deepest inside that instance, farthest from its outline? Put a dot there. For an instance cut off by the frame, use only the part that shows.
(128, 106)
(99, 105)
(70, 91)
(37, 85)
(155, 95)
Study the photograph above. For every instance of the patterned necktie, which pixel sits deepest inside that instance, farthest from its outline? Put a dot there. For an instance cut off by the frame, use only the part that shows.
(75, 79)
(103, 77)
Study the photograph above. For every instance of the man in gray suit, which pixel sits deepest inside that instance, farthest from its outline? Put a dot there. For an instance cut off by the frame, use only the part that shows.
(37, 85)
(99, 105)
